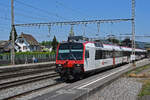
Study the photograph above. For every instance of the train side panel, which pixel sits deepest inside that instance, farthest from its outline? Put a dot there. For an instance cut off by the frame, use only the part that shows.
(89, 62)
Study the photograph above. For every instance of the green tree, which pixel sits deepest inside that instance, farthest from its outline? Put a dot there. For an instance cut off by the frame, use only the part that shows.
(54, 44)
(46, 43)
(15, 34)
(113, 40)
(127, 42)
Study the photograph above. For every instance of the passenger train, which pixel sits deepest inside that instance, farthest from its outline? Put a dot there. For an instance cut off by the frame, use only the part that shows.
(75, 59)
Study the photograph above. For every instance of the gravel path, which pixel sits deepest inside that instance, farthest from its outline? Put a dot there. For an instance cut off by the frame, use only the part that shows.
(121, 89)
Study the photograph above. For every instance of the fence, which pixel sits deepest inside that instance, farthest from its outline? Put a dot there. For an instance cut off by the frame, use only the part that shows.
(5, 59)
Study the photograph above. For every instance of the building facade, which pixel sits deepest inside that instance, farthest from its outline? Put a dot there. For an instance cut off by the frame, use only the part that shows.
(27, 42)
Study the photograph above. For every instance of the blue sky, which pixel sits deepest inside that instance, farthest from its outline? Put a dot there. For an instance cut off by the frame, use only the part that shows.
(34, 11)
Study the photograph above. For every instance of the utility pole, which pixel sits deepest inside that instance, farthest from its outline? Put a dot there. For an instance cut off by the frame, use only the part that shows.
(71, 34)
(12, 35)
(133, 29)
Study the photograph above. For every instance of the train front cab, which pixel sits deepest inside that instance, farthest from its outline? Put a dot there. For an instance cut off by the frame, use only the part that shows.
(69, 60)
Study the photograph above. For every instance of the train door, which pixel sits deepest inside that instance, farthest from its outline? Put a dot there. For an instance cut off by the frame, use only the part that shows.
(98, 58)
(89, 62)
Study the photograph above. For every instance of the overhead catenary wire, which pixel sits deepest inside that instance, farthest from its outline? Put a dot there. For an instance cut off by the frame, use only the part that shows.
(31, 17)
(34, 8)
(81, 13)
(74, 10)
(75, 22)
(39, 25)
(135, 35)
(9, 19)
(34, 13)
(41, 10)
(6, 6)
(71, 9)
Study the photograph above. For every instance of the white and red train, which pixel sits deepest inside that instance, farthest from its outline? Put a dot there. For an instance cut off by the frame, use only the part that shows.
(74, 59)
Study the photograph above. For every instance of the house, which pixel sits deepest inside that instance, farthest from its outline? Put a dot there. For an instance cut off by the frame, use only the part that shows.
(27, 42)
(46, 48)
(5, 46)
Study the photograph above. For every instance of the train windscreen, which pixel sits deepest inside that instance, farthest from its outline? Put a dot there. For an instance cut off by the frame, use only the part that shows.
(70, 51)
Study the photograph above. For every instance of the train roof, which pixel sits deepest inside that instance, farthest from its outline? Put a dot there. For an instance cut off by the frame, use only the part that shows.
(108, 47)
(111, 47)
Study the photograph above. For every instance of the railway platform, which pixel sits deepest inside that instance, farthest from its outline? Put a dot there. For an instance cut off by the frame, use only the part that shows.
(83, 89)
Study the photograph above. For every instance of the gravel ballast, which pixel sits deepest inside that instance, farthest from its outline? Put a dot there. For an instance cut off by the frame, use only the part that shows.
(121, 89)
(39, 93)
(24, 88)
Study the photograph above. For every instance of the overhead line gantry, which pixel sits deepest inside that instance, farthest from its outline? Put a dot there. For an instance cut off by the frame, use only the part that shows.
(75, 22)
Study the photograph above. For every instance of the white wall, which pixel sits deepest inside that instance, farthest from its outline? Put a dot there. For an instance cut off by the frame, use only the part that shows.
(23, 44)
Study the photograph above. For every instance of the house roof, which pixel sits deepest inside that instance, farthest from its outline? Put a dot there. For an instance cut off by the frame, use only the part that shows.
(29, 38)
(6, 45)
(3, 43)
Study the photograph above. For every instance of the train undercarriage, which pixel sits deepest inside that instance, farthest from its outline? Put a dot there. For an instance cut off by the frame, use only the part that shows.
(73, 73)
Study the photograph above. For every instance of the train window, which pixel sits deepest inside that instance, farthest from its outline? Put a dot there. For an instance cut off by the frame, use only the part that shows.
(98, 44)
(121, 53)
(107, 54)
(98, 54)
(86, 53)
(70, 51)
(103, 54)
(125, 53)
(111, 54)
(118, 54)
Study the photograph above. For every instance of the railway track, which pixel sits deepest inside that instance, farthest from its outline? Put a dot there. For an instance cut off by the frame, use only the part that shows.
(18, 95)
(32, 91)
(22, 82)
(27, 80)
(32, 84)
(84, 88)
(26, 71)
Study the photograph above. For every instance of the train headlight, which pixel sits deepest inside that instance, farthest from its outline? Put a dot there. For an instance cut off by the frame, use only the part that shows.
(59, 65)
(78, 65)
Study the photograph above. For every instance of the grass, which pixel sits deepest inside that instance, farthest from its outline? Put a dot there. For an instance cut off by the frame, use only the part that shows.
(137, 70)
(4, 64)
(136, 73)
(145, 88)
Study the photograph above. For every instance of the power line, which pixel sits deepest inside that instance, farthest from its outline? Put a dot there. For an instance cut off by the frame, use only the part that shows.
(81, 13)
(31, 17)
(21, 14)
(76, 11)
(39, 9)
(28, 12)
(28, 16)
(69, 8)
(147, 36)
(9, 19)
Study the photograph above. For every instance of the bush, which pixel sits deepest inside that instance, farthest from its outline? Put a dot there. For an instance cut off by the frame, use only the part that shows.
(29, 54)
